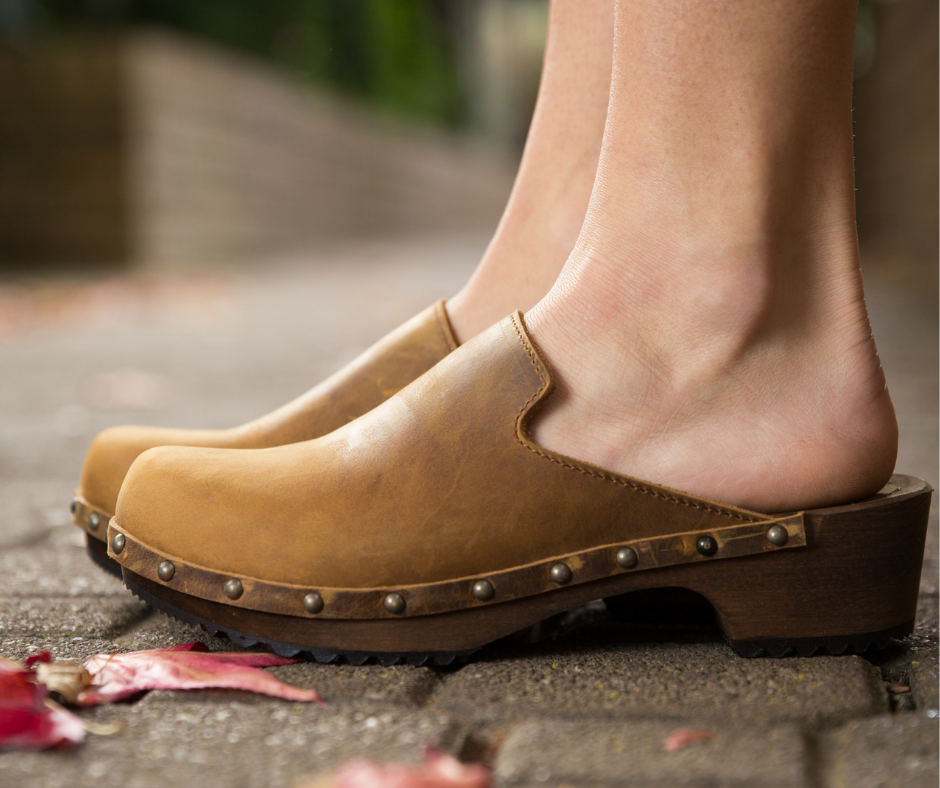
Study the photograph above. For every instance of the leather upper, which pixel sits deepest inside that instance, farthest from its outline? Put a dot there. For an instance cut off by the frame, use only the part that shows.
(441, 481)
(378, 373)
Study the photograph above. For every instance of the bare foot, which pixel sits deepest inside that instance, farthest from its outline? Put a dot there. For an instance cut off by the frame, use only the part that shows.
(709, 332)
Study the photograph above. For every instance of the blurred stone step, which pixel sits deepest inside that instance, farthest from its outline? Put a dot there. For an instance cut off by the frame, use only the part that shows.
(145, 146)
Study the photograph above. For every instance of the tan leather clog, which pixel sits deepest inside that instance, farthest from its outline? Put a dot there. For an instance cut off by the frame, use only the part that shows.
(433, 525)
(391, 364)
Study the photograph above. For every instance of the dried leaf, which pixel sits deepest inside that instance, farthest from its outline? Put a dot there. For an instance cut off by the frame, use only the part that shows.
(30, 719)
(684, 737)
(63, 680)
(190, 666)
(27, 720)
(438, 771)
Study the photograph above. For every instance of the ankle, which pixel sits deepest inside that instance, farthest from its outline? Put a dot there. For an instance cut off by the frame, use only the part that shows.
(708, 300)
(519, 267)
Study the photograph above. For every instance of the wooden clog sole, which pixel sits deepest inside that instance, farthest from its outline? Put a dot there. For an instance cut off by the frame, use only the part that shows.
(854, 584)
(83, 515)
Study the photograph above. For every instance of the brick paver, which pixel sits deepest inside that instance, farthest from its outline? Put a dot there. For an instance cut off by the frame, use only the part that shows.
(632, 753)
(895, 751)
(221, 741)
(669, 680)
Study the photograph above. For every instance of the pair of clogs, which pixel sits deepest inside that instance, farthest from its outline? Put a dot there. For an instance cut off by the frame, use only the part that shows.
(400, 510)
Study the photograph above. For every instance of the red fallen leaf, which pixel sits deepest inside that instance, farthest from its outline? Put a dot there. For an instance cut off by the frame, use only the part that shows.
(189, 666)
(27, 720)
(683, 737)
(42, 656)
(438, 771)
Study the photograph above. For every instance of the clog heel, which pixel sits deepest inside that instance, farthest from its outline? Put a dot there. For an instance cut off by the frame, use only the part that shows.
(854, 584)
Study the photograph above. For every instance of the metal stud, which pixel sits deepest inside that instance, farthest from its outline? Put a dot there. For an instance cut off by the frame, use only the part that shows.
(777, 535)
(313, 602)
(165, 571)
(73, 507)
(706, 545)
(94, 520)
(627, 558)
(483, 590)
(560, 573)
(233, 588)
(117, 544)
(394, 603)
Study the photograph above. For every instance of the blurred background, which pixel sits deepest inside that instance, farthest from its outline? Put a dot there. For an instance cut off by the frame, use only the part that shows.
(166, 132)
(206, 207)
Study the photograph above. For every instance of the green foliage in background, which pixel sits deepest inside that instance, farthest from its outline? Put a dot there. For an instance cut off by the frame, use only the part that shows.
(397, 54)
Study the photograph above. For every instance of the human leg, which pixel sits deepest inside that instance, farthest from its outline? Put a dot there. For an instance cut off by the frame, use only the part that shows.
(546, 208)
(709, 331)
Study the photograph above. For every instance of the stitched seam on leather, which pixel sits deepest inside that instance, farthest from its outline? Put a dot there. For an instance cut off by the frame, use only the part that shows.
(528, 352)
(603, 477)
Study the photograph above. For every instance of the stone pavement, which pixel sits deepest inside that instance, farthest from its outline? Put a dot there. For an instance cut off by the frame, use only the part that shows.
(580, 701)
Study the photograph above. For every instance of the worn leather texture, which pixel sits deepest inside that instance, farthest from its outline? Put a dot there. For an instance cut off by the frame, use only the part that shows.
(441, 481)
(381, 371)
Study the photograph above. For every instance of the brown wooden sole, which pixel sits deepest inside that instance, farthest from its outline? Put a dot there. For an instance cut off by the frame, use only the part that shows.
(94, 523)
(854, 584)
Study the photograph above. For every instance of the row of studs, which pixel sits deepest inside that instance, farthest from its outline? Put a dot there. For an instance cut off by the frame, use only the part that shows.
(483, 590)
(706, 545)
(94, 519)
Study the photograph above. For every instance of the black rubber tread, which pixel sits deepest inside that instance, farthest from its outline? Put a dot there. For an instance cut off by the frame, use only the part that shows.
(808, 647)
(98, 552)
(290, 650)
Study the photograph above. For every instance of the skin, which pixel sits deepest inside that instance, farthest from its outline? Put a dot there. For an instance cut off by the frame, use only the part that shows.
(546, 209)
(709, 330)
